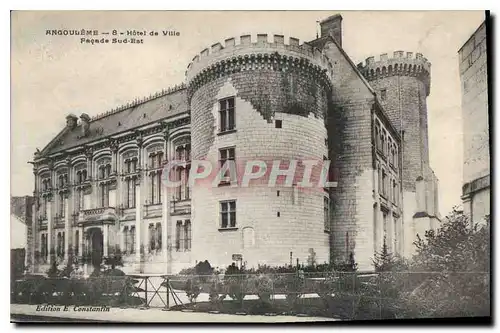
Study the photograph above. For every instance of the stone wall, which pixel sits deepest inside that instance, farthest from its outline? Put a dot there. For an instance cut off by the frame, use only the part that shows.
(473, 75)
(272, 222)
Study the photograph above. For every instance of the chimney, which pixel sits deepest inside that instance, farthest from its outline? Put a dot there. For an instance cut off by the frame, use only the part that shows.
(332, 26)
(71, 120)
(85, 120)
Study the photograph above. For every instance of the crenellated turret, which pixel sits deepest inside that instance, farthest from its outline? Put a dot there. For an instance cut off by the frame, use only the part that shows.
(261, 54)
(400, 64)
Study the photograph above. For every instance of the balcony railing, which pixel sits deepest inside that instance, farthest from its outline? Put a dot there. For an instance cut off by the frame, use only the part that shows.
(97, 214)
(180, 207)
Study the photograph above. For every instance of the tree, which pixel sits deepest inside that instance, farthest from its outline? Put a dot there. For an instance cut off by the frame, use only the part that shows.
(453, 265)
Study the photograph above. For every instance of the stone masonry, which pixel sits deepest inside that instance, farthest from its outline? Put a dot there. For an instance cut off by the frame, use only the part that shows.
(474, 82)
(100, 183)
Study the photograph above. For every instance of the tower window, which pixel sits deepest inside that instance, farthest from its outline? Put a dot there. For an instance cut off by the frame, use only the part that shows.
(278, 123)
(228, 214)
(383, 94)
(226, 113)
(278, 214)
(226, 154)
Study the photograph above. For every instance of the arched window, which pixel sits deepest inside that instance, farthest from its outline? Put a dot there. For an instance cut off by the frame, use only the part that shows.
(129, 168)
(103, 174)
(80, 179)
(181, 172)
(155, 174)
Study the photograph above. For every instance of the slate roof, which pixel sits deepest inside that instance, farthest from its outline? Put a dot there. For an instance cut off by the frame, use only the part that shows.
(20, 207)
(150, 111)
(320, 42)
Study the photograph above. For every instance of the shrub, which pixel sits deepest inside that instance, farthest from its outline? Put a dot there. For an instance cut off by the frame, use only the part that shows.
(192, 290)
(457, 257)
(53, 271)
(215, 297)
(234, 280)
(188, 271)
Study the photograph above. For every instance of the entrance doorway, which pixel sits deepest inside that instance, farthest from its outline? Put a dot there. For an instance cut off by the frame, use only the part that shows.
(96, 246)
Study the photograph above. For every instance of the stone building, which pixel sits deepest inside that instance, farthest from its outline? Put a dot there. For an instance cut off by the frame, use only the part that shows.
(473, 68)
(100, 183)
(21, 235)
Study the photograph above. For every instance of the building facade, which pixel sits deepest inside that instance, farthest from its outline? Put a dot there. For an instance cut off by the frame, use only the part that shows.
(473, 68)
(21, 235)
(100, 183)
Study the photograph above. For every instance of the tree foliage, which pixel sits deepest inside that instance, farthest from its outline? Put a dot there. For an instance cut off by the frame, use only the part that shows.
(452, 269)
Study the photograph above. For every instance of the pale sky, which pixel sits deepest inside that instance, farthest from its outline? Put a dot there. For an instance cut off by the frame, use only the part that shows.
(53, 76)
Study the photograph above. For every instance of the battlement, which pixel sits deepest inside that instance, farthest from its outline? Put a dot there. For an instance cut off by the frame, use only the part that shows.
(140, 100)
(401, 62)
(259, 47)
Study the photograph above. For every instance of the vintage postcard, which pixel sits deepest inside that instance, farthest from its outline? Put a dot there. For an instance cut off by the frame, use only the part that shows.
(250, 166)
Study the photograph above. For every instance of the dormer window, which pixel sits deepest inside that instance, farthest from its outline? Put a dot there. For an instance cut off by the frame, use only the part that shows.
(383, 94)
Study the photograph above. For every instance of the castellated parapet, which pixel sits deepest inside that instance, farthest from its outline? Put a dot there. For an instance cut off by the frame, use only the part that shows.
(400, 64)
(262, 53)
(279, 96)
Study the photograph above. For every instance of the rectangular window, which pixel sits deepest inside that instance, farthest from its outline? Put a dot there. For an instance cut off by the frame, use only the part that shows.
(130, 200)
(62, 206)
(226, 154)
(126, 239)
(226, 111)
(179, 179)
(187, 235)
(152, 237)
(383, 94)
(158, 186)
(228, 214)
(187, 189)
(77, 242)
(132, 239)
(158, 236)
(179, 236)
(104, 200)
(384, 183)
(278, 123)
(396, 194)
(44, 207)
(152, 179)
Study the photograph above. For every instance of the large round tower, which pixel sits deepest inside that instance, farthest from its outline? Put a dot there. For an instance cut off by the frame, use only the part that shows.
(258, 100)
(402, 84)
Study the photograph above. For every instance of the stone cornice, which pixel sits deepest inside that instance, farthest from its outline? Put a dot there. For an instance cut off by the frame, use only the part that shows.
(112, 142)
(261, 61)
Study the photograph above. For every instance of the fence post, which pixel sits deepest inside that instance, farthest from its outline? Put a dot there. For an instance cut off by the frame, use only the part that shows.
(272, 288)
(146, 290)
(168, 293)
